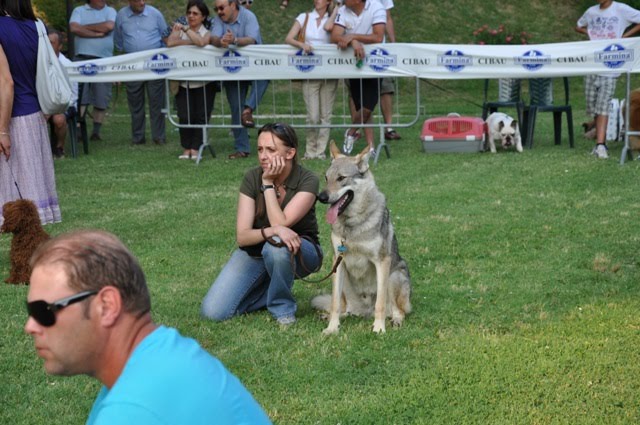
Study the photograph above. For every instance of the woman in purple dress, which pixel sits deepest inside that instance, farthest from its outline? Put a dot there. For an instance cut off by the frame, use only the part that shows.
(26, 165)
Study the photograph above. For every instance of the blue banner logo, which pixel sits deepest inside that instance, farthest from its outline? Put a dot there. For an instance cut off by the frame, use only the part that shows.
(232, 61)
(454, 60)
(379, 60)
(90, 69)
(533, 60)
(160, 64)
(614, 56)
(305, 62)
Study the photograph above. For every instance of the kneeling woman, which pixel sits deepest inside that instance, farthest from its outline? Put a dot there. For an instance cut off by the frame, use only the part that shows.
(276, 204)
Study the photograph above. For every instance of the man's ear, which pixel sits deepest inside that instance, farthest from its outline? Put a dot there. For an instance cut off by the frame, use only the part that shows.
(108, 306)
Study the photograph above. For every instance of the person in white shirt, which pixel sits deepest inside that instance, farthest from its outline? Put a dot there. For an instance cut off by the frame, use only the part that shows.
(319, 95)
(60, 120)
(357, 23)
(607, 20)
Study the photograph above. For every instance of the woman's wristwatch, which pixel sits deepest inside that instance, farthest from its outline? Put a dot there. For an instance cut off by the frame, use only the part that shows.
(266, 186)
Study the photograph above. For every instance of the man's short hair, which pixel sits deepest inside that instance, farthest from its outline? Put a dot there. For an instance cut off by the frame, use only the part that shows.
(94, 259)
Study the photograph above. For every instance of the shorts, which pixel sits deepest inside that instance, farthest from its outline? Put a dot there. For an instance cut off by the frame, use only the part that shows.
(387, 85)
(364, 92)
(598, 92)
(96, 94)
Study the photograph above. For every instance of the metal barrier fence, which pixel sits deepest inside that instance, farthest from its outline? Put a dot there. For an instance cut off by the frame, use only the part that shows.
(283, 101)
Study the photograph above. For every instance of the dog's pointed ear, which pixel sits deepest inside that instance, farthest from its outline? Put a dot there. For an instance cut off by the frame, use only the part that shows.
(362, 160)
(335, 152)
(500, 125)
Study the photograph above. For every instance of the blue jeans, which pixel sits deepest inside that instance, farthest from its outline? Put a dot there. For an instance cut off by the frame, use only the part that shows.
(237, 97)
(247, 284)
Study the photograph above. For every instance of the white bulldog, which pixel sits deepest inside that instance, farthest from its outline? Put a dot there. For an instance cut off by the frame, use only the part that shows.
(504, 128)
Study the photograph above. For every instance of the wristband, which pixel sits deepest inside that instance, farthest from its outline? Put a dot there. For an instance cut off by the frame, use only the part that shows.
(266, 186)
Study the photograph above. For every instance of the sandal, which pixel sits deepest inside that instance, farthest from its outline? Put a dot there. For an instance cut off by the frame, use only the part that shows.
(247, 119)
(284, 4)
(238, 155)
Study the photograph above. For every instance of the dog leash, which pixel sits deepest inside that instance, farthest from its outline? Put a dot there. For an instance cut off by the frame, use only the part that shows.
(292, 257)
(15, 182)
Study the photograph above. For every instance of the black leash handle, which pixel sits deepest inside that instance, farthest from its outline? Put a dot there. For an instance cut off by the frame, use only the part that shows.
(304, 267)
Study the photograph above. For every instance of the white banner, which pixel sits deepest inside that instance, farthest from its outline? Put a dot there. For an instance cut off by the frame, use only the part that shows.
(430, 61)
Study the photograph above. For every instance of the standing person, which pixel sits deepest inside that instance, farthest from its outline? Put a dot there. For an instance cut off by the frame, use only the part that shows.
(360, 22)
(237, 26)
(607, 20)
(93, 25)
(276, 202)
(90, 313)
(319, 95)
(194, 99)
(26, 167)
(140, 27)
(59, 121)
(387, 85)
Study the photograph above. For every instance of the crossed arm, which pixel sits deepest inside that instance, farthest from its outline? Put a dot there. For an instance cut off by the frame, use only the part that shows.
(356, 41)
(280, 220)
(98, 30)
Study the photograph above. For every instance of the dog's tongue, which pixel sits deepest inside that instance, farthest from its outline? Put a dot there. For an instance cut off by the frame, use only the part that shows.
(332, 213)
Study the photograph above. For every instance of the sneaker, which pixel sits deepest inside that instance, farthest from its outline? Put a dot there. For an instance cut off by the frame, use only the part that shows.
(601, 151)
(391, 135)
(286, 321)
(349, 140)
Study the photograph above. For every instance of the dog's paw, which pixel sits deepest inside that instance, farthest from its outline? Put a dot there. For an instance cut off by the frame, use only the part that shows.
(378, 327)
(397, 321)
(330, 330)
(334, 325)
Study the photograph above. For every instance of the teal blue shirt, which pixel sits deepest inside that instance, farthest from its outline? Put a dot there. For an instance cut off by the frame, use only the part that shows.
(170, 379)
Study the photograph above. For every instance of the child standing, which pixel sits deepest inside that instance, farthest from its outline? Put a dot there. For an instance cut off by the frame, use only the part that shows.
(606, 20)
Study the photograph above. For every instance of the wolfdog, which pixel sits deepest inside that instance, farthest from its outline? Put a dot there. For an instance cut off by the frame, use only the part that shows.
(372, 278)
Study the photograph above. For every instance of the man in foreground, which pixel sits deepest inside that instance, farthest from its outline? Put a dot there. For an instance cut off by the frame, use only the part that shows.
(90, 313)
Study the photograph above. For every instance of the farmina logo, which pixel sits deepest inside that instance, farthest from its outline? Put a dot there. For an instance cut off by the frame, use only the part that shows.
(160, 64)
(90, 69)
(305, 62)
(614, 56)
(379, 60)
(532, 60)
(454, 60)
(231, 61)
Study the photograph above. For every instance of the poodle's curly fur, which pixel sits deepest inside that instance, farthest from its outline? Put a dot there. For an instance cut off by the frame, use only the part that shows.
(21, 218)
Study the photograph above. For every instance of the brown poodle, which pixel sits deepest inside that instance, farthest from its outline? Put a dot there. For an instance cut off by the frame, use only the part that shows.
(21, 218)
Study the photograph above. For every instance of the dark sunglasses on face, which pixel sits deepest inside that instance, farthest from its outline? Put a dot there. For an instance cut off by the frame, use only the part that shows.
(45, 313)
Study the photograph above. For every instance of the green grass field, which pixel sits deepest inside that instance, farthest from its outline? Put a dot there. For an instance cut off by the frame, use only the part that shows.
(524, 270)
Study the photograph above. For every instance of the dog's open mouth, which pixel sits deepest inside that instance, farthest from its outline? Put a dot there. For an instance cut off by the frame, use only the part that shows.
(338, 207)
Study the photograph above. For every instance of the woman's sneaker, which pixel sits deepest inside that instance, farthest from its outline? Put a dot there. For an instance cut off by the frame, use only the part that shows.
(349, 140)
(601, 151)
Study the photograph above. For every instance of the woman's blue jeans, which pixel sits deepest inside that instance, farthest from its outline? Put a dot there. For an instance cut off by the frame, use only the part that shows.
(247, 284)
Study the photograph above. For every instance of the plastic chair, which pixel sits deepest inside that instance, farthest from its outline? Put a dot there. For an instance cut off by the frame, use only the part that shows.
(489, 107)
(72, 132)
(540, 103)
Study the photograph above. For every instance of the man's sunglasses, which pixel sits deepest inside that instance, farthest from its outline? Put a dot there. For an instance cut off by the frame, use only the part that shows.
(45, 313)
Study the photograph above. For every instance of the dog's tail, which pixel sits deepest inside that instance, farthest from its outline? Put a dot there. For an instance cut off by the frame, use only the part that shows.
(322, 302)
